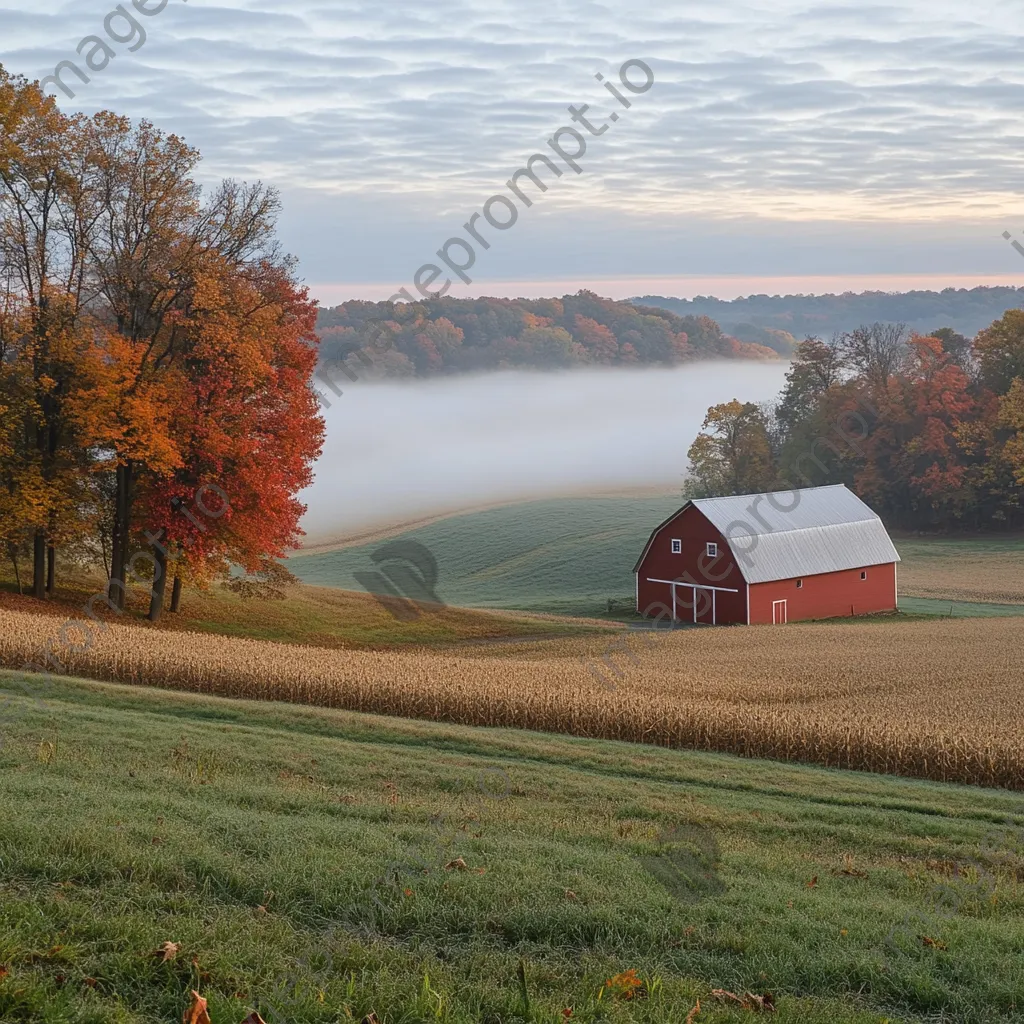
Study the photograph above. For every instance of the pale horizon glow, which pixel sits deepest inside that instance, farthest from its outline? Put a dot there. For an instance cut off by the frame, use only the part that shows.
(684, 286)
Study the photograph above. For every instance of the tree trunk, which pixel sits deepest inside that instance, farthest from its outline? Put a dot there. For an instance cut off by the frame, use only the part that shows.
(176, 595)
(39, 566)
(116, 570)
(156, 596)
(103, 550)
(118, 587)
(13, 552)
(51, 568)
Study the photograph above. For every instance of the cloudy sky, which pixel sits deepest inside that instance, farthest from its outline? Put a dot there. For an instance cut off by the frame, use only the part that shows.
(784, 146)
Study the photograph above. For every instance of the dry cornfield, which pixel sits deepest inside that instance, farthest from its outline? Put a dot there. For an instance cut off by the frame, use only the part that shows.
(940, 699)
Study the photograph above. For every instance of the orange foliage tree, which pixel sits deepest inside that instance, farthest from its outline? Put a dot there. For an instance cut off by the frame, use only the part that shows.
(153, 343)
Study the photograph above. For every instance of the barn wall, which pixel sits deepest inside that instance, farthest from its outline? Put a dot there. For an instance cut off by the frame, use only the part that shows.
(830, 595)
(692, 566)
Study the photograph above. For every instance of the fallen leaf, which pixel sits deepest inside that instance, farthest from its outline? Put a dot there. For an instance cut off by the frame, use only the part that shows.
(456, 865)
(408, 892)
(254, 1018)
(626, 985)
(91, 982)
(196, 1013)
(934, 943)
(726, 997)
(813, 883)
(4, 972)
(570, 895)
(167, 951)
(693, 1013)
(748, 1001)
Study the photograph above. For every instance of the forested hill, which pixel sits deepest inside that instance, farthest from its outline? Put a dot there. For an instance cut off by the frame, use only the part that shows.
(966, 311)
(461, 335)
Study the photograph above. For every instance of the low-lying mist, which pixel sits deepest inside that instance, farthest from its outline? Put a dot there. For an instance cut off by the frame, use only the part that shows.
(398, 450)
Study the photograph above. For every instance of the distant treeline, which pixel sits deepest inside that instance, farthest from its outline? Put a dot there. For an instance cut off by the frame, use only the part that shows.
(754, 318)
(448, 335)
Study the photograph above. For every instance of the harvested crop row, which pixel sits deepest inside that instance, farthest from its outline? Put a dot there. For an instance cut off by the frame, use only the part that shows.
(938, 700)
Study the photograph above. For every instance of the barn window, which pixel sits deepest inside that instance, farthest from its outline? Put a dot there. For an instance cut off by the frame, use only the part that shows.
(863, 575)
(677, 547)
(799, 584)
(712, 550)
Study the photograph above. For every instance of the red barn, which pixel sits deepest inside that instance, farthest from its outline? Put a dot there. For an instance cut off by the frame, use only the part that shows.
(815, 553)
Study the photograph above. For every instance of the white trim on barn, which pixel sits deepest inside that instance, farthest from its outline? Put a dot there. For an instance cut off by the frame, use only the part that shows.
(698, 586)
(695, 587)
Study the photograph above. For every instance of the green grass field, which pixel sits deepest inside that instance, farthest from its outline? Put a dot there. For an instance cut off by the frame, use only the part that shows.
(571, 556)
(297, 857)
(566, 555)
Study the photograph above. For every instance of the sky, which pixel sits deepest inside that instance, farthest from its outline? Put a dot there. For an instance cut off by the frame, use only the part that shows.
(782, 146)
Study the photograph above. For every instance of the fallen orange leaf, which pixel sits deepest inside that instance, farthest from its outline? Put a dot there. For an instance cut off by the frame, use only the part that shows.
(690, 1017)
(456, 865)
(625, 985)
(748, 1001)
(197, 1012)
(167, 951)
(813, 883)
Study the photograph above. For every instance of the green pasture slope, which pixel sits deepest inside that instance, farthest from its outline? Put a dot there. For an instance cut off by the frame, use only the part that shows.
(565, 555)
(297, 857)
(572, 555)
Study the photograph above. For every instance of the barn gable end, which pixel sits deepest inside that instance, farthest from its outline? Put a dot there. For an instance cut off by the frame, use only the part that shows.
(700, 587)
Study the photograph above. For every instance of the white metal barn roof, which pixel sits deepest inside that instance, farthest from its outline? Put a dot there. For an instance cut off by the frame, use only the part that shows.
(828, 529)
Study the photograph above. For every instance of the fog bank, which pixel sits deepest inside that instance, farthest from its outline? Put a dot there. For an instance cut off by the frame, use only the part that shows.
(401, 450)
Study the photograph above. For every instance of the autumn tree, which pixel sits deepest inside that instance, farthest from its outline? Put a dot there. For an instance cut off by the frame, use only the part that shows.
(876, 353)
(155, 244)
(1011, 419)
(155, 349)
(43, 225)
(248, 432)
(817, 366)
(732, 454)
(1000, 352)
